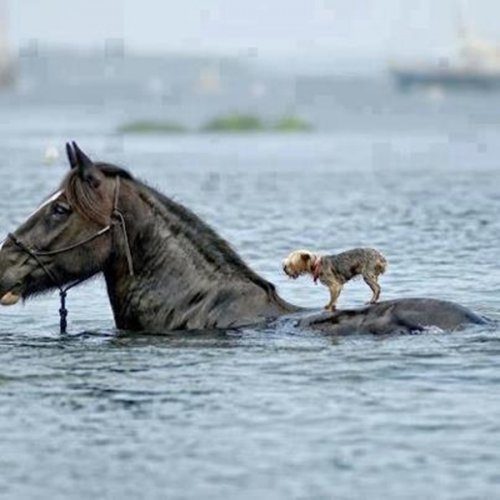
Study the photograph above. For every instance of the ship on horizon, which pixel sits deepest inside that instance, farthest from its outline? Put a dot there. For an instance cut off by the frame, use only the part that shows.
(476, 65)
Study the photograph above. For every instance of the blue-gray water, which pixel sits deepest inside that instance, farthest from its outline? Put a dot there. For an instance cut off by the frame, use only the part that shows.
(268, 413)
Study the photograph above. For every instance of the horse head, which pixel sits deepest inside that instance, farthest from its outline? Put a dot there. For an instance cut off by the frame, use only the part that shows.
(66, 239)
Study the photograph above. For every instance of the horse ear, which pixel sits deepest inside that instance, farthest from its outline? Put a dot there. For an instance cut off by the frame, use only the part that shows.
(83, 161)
(71, 156)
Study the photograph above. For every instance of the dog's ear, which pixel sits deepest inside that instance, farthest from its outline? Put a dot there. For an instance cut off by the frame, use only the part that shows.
(305, 257)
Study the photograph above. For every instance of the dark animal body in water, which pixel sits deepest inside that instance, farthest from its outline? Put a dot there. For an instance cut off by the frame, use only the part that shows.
(394, 316)
(165, 269)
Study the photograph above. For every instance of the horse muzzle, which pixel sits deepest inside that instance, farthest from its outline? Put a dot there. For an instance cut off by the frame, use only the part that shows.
(10, 298)
(10, 293)
(12, 284)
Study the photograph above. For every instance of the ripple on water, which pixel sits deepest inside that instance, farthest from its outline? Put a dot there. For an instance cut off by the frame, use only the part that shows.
(276, 413)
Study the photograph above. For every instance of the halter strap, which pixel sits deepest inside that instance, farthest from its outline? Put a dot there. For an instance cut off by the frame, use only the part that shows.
(63, 291)
(71, 247)
(36, 254)
(121, 218)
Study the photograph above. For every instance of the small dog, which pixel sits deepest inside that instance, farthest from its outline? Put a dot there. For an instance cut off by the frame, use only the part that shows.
(336, 270)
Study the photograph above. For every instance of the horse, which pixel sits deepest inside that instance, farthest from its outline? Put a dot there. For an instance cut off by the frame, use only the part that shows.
(165, 269)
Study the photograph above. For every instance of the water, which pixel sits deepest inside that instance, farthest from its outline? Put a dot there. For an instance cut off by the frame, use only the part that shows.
(270, 413)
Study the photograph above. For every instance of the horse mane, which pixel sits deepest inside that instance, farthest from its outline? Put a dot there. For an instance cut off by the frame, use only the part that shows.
(85, 195)
(210, 244)
(94, 205)
(110, 170)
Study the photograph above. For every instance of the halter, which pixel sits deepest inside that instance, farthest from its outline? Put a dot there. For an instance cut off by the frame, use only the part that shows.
(36, 254)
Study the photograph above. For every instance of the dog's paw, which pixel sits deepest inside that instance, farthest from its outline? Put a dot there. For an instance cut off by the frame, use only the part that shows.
(330, 308)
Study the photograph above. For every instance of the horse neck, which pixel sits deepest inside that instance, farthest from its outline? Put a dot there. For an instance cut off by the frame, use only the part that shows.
(185, 275)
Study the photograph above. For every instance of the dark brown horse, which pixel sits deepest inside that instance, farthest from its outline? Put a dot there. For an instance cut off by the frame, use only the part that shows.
(165, 269)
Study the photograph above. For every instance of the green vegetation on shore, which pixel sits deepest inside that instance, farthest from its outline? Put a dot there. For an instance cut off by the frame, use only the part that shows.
(230, 123)
(234, 123)
(152, 127)
(292, 124)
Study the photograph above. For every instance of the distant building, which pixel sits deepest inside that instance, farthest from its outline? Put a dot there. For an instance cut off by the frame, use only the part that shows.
(6, 63)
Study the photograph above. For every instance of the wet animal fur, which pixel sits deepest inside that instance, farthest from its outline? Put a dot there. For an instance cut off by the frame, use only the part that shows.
(334, 271)
(186, 276)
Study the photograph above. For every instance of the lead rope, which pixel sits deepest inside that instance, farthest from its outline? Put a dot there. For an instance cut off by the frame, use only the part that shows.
(121, 218)
(128, 253)
(63, 312)
(63, 291)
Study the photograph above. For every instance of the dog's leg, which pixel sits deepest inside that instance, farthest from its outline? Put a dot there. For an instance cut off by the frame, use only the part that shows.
(371, 281)
(335, 290)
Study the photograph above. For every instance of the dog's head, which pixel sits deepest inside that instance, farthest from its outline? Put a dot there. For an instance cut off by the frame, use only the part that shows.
(298, 262)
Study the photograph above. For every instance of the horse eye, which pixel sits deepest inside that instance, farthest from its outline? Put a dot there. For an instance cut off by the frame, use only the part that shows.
(61, 209)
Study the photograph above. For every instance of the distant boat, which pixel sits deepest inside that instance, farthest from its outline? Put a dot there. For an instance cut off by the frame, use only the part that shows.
(477, 65)
(445, 76)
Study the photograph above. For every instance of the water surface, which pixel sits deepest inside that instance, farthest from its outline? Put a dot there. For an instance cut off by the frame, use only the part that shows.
(277, 412)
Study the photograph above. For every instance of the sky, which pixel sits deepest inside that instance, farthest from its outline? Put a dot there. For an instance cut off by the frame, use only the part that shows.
(265, 28)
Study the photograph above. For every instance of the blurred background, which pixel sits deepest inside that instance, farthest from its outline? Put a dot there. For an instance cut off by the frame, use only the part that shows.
(284, 124)
(320, 113)
(289, 123)
(329, 64)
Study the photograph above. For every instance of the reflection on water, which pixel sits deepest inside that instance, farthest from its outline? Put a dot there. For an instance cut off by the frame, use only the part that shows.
(276, 412)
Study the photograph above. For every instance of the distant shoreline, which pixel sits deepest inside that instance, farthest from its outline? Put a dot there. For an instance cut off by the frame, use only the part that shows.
(229, 123)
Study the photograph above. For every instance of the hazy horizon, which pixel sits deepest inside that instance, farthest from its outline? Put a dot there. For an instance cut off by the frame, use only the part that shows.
(301, 29)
